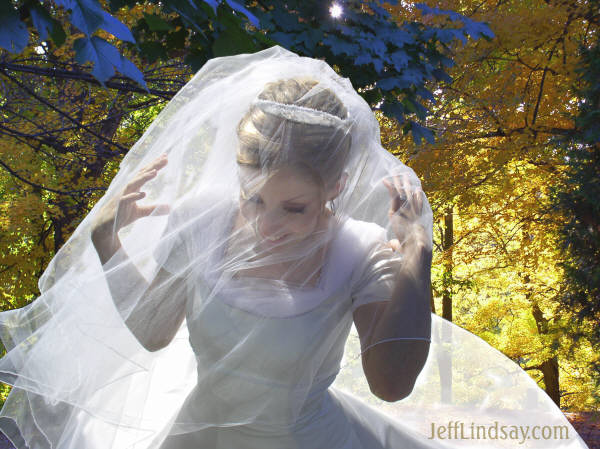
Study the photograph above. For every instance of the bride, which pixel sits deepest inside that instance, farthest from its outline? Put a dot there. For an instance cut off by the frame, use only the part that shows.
(258, 276)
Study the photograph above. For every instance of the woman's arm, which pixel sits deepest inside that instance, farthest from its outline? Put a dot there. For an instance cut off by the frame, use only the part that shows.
(160, 307)
(157, 309)
(156, 318)
(391, 367)
(395, 334)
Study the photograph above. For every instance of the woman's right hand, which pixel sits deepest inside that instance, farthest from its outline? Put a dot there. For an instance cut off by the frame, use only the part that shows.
(123, 210)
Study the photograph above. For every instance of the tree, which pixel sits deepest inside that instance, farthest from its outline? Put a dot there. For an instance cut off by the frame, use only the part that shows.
(388, 62)
(576, 198)
(488, 177)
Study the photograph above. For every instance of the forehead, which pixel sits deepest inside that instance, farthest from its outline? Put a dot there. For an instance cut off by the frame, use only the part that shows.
(282, 181)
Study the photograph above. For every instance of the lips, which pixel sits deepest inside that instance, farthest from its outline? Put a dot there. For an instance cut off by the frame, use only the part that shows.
(277, 240)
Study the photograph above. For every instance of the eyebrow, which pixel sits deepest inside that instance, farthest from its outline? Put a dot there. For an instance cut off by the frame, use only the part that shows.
(298, 205)
(294, 198)
(289, 201)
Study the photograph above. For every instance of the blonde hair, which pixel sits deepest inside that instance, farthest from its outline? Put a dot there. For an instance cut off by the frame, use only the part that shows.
(269, 141)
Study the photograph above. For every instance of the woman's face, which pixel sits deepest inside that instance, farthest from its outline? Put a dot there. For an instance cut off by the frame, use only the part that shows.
(284, 206)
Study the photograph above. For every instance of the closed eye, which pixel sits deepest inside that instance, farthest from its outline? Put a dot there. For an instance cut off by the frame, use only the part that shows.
(295, 210)
(254, 198)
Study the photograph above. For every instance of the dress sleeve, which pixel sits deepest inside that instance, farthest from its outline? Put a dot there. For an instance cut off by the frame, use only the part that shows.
(374, 277)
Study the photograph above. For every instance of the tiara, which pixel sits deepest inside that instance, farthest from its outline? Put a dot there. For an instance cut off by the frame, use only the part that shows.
(301, 114)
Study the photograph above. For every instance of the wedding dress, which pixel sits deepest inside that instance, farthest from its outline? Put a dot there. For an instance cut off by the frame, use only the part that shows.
(267, 355)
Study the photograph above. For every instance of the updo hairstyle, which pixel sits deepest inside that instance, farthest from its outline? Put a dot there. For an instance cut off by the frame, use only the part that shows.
(268, 141)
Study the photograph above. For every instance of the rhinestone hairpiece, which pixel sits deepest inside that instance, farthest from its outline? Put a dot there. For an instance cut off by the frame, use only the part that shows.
(301, 114)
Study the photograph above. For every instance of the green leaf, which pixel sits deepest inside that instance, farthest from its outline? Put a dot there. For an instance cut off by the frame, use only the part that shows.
(233, 39)
(105, 58)
(196, 59)
(116, 28)
(176, 40)
(239, 7)
(86, 15)
(41, 20)
(44, 23)
(57, 34)
(156, 23)
(153, 51)
(420, 132)
(14, 36)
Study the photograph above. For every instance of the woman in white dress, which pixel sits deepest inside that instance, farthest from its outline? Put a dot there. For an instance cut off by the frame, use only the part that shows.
(258, 276)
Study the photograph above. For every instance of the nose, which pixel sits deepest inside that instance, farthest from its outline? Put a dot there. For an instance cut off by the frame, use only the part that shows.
(270, 225)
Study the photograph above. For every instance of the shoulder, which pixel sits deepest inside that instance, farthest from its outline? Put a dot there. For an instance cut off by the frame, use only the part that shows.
(366, 243)
(374, 262)
(356, 243)
(362, 235)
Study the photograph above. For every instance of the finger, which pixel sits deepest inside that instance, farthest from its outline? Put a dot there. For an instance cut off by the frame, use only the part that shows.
(150, 171)
(399, 185)
(157, 163)
(394, 194)
(403, 186)
(401, 194)
(132, 197)
(155, 209)
(141, 179)
(394, 244)
(390, 188)
(160, 161)
(420, 201)
(411, 192)
(406, 183)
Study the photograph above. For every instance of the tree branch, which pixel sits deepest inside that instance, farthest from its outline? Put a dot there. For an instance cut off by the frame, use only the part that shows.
(83, 76)
(64, 114)
(49, 189)
(528, 368)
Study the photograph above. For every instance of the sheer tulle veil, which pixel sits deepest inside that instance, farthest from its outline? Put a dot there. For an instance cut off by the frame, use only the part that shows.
(203, 298)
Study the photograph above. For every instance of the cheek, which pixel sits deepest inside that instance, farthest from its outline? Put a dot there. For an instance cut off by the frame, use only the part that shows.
(304, 224)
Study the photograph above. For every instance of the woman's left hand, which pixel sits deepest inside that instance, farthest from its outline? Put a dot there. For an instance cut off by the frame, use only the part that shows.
(405, 211)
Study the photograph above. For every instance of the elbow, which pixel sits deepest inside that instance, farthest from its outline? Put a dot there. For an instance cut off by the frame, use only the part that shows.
(394, 378)
(154, 346)
(156, 342)
(392, 391)
(150, 345)
(151, 342)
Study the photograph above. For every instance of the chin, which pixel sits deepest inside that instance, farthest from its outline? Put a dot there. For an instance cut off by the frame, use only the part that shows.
(290, 242)
(277, 242)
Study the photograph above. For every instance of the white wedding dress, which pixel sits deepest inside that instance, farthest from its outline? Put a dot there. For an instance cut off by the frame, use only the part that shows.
(291, 341)
(303, 337)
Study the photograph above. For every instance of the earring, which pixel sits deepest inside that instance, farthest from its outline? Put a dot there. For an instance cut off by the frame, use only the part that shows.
(333, 207)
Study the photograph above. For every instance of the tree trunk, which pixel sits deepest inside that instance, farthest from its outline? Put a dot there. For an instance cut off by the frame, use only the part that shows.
(447, 245)
(549, 367)
(445, 357)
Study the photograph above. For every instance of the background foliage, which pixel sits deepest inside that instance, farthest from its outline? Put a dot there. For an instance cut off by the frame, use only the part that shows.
(490, 177)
